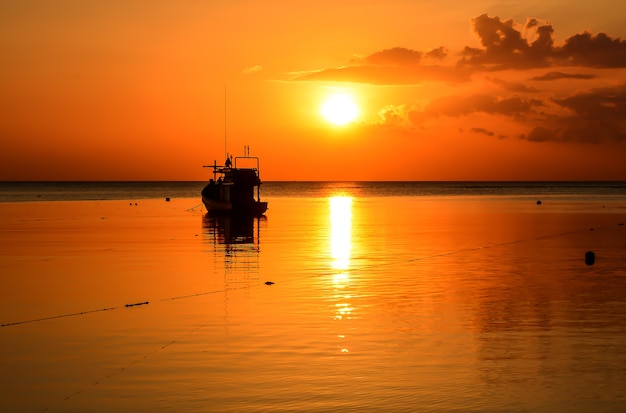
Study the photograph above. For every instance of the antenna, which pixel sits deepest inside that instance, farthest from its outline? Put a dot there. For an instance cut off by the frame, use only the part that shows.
(225, 153)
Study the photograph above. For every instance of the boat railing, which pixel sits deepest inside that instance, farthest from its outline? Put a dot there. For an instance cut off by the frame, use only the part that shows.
(223, 168)
(255, 158)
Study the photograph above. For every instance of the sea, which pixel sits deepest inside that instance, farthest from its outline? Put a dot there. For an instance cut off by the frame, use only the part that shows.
(90, 191)
(344, 297)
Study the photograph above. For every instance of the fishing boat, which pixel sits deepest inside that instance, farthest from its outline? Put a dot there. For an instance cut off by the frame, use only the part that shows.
(233, 186)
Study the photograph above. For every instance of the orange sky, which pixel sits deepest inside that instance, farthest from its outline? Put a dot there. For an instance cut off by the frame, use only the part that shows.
(117, 90)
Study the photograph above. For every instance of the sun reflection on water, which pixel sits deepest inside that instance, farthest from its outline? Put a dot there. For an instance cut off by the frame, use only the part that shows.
(340, 248)
(340, 231)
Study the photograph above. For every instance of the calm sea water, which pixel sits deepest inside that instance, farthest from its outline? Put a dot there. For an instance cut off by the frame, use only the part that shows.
(76, 191)
(364, 297)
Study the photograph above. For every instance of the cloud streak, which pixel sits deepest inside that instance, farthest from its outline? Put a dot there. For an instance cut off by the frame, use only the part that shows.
(550, 76)
(389, 74)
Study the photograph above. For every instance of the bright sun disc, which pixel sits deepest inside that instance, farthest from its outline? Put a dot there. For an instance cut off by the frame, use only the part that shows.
(340, 109)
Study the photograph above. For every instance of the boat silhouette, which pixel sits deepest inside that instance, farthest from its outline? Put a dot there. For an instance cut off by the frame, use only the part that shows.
(233, 186)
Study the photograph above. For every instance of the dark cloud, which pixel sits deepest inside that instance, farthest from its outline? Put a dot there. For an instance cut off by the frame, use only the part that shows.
(530, 23)
(439, 53)
(594, 116)
(605, 104)
(454, 106)
(506, 47)
(482, 131)
(540, 134)
(515, 87)
(561, 75)
(401, 56)
(593, 51)
(395, 56)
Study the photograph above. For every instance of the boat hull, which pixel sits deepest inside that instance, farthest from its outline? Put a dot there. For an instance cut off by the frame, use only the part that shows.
(216, 207)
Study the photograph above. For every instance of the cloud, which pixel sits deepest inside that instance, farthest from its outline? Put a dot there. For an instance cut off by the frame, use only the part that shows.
(439, 53)
(594, 116)
(395, 56)
(252, 69)
(561, 75)
(401, 56)
(455, 106)
(395, 66)
(540, 134)
(482, 131)
(515, 87)
(386, 75)
(392, 115)
(593, 51)
(506, 45)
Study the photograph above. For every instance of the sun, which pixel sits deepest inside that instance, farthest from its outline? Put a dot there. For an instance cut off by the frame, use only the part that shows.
(340, 109)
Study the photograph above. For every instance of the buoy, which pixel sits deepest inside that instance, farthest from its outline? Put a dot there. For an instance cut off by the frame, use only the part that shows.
(167, 199)
(136, 304)
(539, 202)
(590, 258)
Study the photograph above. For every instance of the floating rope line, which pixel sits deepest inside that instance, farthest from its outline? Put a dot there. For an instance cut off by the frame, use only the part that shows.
(363, 267)
(469, 249)
(61, 316)
(193, 208)
(460, 251)
(35, 320)
(203, 293)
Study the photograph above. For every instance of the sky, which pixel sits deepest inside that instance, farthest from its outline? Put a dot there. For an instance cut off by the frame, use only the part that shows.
(445, 90)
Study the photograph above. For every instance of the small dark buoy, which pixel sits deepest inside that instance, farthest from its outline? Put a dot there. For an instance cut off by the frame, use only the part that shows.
(137, 304)
(269, 283)
(539, 202)
(590, 258)
(167, 199)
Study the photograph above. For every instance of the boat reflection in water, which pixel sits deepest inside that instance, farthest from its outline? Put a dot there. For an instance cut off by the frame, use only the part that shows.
(231, 229)
(236, 238)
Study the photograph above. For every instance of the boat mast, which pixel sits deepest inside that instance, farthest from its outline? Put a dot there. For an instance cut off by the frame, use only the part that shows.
(225, 153)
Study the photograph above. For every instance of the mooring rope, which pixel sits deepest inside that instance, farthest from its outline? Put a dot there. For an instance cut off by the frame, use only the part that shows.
(35, 320)
(193, 208)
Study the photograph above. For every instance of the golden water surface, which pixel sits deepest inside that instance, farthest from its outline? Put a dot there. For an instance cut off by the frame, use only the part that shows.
(426, 304)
